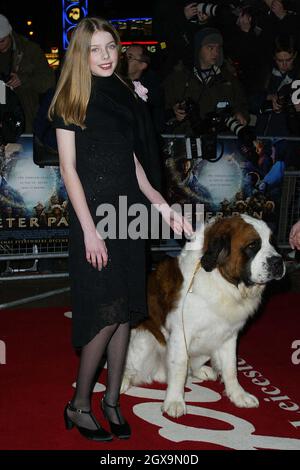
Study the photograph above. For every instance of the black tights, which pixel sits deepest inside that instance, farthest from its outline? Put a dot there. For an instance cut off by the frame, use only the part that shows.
(115, 339)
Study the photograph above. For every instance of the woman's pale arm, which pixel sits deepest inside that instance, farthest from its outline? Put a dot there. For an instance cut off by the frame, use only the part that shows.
(175, 220)
(96, 252)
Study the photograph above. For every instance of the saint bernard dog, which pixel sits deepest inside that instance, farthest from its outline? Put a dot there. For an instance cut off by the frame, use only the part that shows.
(198, 303)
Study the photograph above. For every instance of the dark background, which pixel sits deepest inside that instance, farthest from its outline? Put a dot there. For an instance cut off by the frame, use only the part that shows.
(47, 17)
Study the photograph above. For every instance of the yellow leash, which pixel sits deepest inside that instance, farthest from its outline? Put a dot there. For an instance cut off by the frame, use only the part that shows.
(190, 289)
(198, 266)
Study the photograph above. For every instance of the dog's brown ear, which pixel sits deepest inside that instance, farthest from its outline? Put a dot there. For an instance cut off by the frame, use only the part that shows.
(217, 251)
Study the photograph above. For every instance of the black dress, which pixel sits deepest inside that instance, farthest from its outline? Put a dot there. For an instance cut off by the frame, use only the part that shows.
(105, 166)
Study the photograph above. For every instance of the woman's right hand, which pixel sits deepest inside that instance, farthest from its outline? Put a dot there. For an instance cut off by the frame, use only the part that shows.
(95, 249)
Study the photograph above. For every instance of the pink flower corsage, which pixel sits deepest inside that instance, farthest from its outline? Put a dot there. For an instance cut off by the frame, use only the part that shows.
(140, 90)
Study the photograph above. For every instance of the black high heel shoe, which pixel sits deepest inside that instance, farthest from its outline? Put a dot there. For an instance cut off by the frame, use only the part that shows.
(122, 431)
(98, 434)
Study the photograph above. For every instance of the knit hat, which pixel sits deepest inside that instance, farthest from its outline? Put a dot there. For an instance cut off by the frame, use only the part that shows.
(208, 36)
(5, 27)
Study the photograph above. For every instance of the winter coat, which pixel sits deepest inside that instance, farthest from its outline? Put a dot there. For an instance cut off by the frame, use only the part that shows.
(222, 87)
(31, 66)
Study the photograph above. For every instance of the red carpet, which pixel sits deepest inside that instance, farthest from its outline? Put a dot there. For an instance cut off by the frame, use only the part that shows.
(41, 367)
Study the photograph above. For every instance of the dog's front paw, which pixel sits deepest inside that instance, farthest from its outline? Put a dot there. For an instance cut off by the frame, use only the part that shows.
(175, 409)
(243, 399)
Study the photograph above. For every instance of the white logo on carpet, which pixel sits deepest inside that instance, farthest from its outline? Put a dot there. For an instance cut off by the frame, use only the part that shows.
(241, 437)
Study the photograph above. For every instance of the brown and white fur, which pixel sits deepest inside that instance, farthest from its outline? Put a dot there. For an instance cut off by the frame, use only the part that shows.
(196, 315)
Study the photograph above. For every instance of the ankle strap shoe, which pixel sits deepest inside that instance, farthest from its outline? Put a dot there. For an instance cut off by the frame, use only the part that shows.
(98, 434)
(122, 430)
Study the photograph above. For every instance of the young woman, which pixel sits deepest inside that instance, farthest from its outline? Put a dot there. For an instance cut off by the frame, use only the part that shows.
(95, 116)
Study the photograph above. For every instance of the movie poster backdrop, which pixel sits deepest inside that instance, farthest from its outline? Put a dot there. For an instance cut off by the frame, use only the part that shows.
(33, 200)
(232, 184)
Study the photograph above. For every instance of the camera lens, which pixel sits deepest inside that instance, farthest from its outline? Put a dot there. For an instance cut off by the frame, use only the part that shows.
(208, 9)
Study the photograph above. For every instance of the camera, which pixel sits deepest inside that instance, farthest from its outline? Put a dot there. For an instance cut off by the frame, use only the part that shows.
(208, 9)
(219, 121)
(193, 115)
(284, 98)
(223, 119)
(223, 10)
(192, 110)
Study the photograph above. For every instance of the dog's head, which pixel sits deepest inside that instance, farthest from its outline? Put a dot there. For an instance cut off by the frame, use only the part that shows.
(241, 248)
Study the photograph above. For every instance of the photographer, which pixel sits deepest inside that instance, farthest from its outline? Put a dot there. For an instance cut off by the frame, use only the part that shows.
(278, 115)
(192, 94)
(246, 46)
(174, 24)
(24, 67)
(283, 18)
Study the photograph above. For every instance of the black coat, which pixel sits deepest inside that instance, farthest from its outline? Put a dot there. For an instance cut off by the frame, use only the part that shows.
(12, 118)
(147, 146)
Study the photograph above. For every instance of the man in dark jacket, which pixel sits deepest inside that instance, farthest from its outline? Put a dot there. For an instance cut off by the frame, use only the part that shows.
(278, 115)
(210, 84)
(139, 69)
(281, 20)
(24, 68)
(175, 22)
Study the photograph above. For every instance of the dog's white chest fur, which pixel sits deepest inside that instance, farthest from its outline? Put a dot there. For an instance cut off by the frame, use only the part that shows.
(208, 321)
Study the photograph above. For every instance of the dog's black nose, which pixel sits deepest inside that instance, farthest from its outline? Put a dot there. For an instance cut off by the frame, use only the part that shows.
(276, 265)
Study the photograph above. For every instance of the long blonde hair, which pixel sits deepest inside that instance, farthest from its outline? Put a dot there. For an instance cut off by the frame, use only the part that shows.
(74, 85)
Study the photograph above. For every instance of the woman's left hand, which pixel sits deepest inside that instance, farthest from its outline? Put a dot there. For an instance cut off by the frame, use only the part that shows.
(177, 222)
